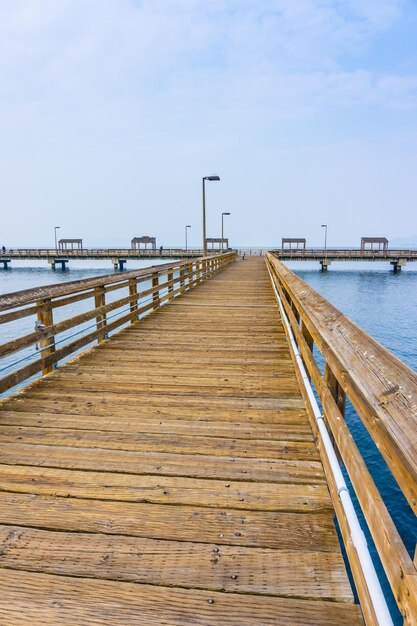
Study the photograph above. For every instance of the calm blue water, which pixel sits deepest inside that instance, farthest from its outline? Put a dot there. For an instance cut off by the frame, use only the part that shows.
(385, 305)
(382, 303)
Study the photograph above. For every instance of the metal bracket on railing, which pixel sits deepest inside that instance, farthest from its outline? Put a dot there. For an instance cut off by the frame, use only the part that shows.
(39, 327)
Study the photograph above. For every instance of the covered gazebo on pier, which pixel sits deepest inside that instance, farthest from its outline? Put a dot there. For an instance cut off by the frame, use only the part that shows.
(217, 243)
(371, 241)
(145, 240)
(297, 242)
(64, 244)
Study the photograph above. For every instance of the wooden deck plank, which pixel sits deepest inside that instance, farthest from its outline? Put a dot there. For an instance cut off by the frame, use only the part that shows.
(48, 600)
(290, 411)
(155, 521)
(192, 565)
(191, 465)
(142, 441)
(165, 489)
(298, 431)
(206, 404)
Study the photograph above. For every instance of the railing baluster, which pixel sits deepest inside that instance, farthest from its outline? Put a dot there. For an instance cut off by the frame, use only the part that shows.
(335, 389)
(155, 293)
(46, 343)
(100, 300)
(133, 291)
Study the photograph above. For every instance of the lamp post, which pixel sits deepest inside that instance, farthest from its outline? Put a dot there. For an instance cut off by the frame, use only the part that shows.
(325, 239)
(223, 214)
(204, 210)
(55, 229)
(186, 230)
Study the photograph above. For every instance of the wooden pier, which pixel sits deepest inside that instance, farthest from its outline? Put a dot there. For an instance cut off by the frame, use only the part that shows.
(119, 257)
(170, 474)
(397, 258)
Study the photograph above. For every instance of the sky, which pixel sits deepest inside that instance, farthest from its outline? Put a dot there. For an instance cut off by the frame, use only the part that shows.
(112, 111)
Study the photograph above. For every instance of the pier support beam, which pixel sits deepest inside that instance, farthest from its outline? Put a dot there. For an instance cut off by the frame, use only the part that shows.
(325, 263)
(54, 262)
(119, 264)
(397, 265)
(5, 263)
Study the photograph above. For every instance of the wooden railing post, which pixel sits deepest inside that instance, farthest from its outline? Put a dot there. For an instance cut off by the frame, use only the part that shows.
(295, 311)
(182, 279)
(46, 343)
(155, 292)
(170, 280)
(133, 291)
(100, 300)
(187, 278)
(310, 343)
(335, 389)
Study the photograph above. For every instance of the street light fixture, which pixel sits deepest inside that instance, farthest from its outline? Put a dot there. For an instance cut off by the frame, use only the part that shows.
(223, 214)
(188, 226)
(55, 229)
(325, 239)
(211, 178)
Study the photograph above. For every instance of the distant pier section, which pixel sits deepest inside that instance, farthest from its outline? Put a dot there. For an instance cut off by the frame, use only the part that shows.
(371, 249)
(118, 256)
(397, 258)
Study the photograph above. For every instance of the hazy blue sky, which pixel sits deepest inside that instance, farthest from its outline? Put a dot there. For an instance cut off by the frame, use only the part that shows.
(111, 111)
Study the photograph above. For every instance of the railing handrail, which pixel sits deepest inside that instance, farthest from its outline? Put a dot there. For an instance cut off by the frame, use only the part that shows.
(383, 390)
(29, 296)
(166, 251)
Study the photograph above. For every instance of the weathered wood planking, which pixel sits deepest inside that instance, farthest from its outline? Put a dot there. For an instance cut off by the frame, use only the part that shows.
(173, 470)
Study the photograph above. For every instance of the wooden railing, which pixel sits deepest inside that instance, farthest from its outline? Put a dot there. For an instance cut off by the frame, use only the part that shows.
(159, 284)
(98, 253)
(383, 391)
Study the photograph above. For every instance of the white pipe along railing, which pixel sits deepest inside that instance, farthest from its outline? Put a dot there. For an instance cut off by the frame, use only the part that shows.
(356, 533)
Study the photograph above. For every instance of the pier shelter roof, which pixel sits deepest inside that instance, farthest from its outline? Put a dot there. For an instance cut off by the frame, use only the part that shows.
(294, 240)
(65, 243)
(145, 239)
(380, 241)
(222, 242)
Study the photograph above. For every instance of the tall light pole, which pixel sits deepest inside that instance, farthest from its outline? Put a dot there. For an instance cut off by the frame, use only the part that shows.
(325, 239)
(204, 210)
(186, 228)
(55, 229)
(223, 214)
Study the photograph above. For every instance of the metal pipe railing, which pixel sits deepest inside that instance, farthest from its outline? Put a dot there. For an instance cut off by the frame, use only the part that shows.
(357, 535)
